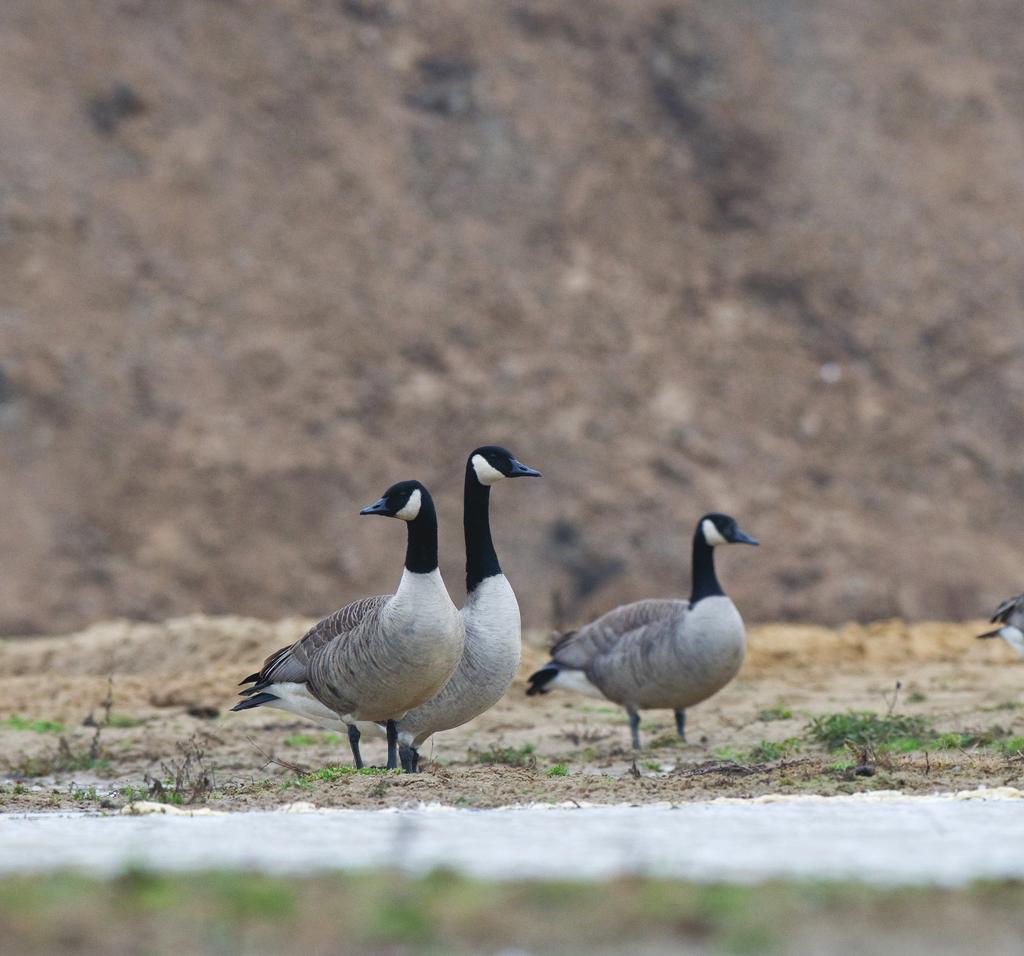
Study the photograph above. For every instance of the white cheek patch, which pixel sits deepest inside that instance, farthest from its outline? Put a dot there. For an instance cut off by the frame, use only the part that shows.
(486, 473)
(412, 506)
(711, 533)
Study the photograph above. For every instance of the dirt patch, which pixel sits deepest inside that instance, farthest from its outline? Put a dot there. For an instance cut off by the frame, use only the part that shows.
(258, 259)
(167, 725)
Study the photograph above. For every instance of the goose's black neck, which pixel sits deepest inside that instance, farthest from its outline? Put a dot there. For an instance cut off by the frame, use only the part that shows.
(481, 561)
(705, 583)
(421, 547)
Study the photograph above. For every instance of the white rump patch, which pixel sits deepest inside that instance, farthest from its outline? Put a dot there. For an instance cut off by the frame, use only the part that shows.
(486, 473)
(412, 506)
(296, 699)
(567, 679)
(711, 533)
(1014, 637)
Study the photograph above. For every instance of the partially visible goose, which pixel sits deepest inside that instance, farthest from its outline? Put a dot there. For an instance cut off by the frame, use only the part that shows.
(1009, 614)
(493, 648)
(377, 658)
(658, 653)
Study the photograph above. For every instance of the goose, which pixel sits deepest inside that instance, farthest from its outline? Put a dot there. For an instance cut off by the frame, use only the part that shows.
(493, 648)
(377, 658)
(490, 615)
(658, 653)
(1009, 614)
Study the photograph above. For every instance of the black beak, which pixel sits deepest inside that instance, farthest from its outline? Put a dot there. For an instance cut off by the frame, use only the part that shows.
(741, 537)
(519, 470)
(377, 508)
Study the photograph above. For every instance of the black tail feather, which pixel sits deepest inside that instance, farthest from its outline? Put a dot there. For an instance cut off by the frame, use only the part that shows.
(254, 701)
(255, 689)
(539, 680)
(251, 679)
(994, 633)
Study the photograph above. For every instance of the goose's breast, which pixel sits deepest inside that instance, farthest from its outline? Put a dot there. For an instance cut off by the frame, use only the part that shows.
(697, 659)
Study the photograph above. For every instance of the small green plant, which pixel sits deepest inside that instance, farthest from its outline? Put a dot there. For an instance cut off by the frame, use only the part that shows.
(652, 765)
(866, 728)
(302, 740)
(299, 784)
(729, 753)
(132, 794)
(952, 741)
(916, 697)
(909, 745)
(36, 726)
(1011, 747)
(124, 721)
(83, 793)
(768, 750)
(778, 712)
(310, 740)
(509, 756)
(558, 770)
(330, 774)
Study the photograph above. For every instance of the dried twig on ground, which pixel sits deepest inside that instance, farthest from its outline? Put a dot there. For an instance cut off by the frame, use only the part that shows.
(271, 759)
(187, 780)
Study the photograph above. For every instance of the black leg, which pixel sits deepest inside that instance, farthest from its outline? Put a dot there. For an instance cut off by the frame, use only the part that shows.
(681, 723)
(415, 760)
(353, 742)
(407, 757)
(634, 727)
(392, 728)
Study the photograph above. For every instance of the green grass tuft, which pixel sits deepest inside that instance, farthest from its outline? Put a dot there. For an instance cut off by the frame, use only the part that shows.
(778, 712)
(36, 726)
(769, 750)
(508, 756)
(1011, 746)
(558, 770)
(866, 728)
(330, 774)
(310, 740)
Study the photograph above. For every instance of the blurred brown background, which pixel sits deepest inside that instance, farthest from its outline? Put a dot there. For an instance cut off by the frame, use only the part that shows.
(261, 258)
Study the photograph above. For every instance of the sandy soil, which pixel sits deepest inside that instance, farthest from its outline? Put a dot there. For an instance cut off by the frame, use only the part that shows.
(261, 259)
(172, 685)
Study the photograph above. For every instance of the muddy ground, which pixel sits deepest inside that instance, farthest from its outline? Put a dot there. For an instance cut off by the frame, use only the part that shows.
(168, 734)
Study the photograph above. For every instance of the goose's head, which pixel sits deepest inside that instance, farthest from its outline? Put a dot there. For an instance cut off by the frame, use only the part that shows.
(718, 529)
(403, 500)
(491, 463)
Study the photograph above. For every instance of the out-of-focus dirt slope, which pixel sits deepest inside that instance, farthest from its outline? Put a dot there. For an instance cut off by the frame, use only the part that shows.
(261, 258)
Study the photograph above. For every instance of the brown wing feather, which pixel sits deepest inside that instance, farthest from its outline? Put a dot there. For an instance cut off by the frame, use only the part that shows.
(578, 648)
(289, 663)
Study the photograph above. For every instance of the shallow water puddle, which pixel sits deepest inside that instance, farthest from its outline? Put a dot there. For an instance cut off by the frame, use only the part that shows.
(902, 840)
